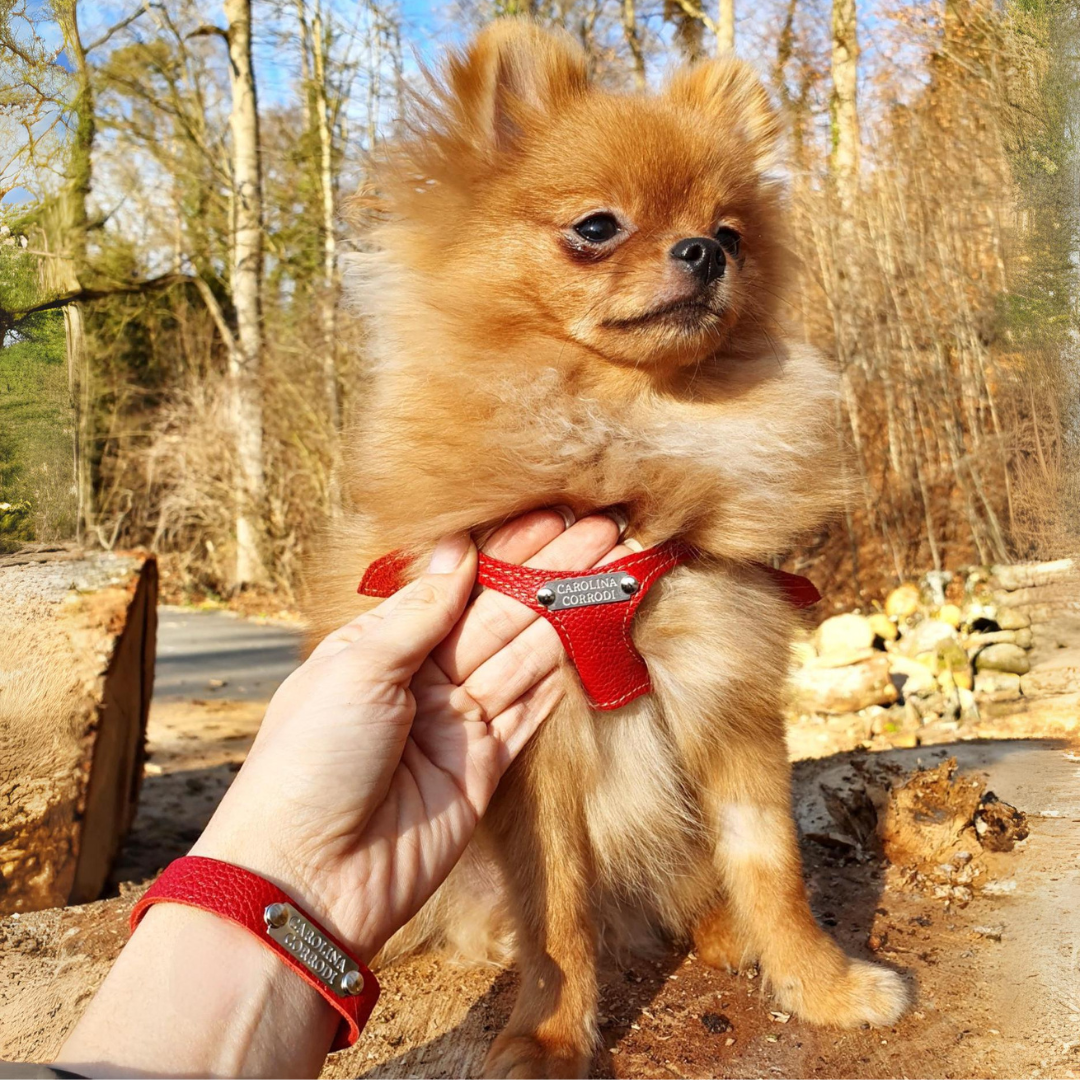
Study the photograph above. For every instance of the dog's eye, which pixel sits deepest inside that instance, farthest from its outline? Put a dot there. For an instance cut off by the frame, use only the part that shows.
(597, 228)
(729, 240)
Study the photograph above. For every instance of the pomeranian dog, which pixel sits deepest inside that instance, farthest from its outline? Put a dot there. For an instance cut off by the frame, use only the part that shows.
(574, 300)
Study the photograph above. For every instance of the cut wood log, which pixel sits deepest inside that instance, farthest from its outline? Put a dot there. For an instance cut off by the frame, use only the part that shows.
(76, 675)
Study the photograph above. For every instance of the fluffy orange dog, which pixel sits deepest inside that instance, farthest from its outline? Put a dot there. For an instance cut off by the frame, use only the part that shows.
(574, 299)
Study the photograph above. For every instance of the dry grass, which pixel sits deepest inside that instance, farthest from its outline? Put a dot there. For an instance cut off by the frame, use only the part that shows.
(956, 428)
(956, 410)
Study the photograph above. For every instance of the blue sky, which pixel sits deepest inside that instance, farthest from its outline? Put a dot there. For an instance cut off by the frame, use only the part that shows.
(429, 27)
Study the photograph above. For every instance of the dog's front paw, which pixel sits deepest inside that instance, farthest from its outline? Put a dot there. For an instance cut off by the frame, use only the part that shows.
(531, 1057)
(860, 993)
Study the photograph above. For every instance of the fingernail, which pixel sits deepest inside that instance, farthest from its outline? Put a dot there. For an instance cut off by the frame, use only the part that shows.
(618, 515)
(566, 514)
(448, 553)
(632, 544)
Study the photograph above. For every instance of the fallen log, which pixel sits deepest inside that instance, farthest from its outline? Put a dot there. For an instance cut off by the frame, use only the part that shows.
(76, 675)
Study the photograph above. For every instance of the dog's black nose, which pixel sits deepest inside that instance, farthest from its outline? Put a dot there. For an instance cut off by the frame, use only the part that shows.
(703, 256)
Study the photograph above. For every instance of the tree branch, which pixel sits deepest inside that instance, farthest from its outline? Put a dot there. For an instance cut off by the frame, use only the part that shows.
(9, 319)
(212, 305)
(208, 30)
(80, 296)
(696, 13)
(117, 28)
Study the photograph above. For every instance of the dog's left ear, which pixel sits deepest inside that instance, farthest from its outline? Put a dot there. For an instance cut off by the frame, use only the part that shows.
(513, 75)
(731, 92)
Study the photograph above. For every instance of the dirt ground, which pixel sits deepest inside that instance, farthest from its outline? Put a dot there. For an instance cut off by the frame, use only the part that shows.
(989, 942)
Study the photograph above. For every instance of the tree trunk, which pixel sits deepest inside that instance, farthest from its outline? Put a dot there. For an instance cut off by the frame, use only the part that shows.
(843, 104)
(77, 669)
(68, 274)
(245, 359)
(82, 401)
(374, 95)
(305, 62)
(633, 42)
(324, 119)
(794, 108)
(725, 27)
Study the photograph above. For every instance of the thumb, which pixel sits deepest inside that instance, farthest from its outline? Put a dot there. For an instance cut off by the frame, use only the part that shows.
(414, 620)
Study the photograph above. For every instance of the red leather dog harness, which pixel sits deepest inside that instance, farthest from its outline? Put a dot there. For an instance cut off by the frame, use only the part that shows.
(591, 610)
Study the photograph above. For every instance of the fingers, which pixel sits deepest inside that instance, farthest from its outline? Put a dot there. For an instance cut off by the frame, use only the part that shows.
(523, 537)
(522, 663)
(493, 620)
(514, 727)
(413, 622)
(515, 669)
(443, 716)
(397, 636)
(514, 542)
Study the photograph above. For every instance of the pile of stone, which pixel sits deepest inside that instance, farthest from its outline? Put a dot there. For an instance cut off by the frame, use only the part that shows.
(933, 652)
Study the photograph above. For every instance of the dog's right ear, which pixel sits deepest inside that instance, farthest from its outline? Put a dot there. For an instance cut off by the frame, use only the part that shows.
(513, 75)
(732, 94)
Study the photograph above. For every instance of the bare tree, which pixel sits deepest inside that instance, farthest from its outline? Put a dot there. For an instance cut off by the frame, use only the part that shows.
(68, 221)
(722, 27)
(725, 28)
(244, 347)
(843, 103)
(632, 33)
(32, 86)
(689, 34)
(321, 103)
(247, 256)
(68, 272)
(794, 103)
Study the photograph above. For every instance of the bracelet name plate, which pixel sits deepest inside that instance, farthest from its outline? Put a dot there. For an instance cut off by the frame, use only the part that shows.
(261, 909)
(329, 965)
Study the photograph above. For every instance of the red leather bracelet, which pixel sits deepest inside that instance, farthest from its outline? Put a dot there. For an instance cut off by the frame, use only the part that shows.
(264, 910)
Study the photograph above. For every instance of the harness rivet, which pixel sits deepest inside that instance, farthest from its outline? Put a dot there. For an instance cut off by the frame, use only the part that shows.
(546, 597)
(629, 585)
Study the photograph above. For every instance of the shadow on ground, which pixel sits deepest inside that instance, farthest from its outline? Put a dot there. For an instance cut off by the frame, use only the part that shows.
(974, 969)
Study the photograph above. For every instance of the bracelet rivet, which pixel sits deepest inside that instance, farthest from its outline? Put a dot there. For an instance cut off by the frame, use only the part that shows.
(352, 982)
(276, 915)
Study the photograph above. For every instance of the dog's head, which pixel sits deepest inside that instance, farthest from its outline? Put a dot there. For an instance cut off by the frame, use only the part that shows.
(643, 228)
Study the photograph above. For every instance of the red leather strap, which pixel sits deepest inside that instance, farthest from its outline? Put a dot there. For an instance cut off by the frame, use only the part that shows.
(596, 636)
(798, 591)
(386, 574)
(243, 898)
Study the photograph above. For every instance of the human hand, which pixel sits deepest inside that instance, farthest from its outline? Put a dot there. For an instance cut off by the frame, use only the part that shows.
(378, 756)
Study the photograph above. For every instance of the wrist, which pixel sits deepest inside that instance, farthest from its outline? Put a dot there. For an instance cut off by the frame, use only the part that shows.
(313, 885)
(202, 994)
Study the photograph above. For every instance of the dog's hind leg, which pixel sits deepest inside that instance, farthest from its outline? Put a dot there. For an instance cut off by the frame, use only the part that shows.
(541, 839)
(717, 940)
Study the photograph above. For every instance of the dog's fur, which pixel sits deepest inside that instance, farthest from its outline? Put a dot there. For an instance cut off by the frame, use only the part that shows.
(514, 370)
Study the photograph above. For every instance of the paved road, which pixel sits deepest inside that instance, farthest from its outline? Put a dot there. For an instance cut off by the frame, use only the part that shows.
(195, 647)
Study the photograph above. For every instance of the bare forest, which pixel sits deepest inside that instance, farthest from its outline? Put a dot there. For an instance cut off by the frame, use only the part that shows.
(180, 370)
